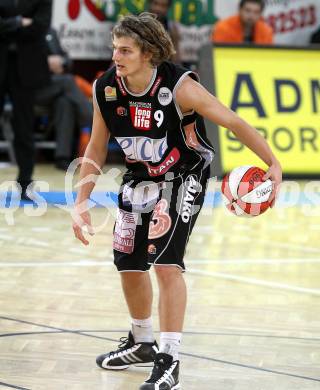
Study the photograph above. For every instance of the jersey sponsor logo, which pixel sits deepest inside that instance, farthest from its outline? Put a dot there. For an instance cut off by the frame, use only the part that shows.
(124, 231)
(143, 148)
(140, 115)
(192, 187)
(110, 93)
(161, 221)
(156, 85)
(165, 96)
(122, 111)
(172, 158)
(122, 90)
(165, 165)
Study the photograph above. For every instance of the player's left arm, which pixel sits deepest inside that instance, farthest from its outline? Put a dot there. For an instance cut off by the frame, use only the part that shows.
(193, 96)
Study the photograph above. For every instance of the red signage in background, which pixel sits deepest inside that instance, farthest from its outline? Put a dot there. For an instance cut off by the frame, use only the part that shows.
(84, 28)
(74, 7)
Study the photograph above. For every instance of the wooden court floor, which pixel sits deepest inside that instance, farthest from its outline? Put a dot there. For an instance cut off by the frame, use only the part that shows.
(253, 317)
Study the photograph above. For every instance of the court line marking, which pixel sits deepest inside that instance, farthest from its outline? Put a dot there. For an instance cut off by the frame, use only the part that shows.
(81, 263)
(13, 386)
(220, 275)
(94, 263)
(250, 367)
(257, 282)
(201, 229)
(55, 328)
(187, 333)
(252, 261)
(271, 243)
(25, 240)
(182, 353)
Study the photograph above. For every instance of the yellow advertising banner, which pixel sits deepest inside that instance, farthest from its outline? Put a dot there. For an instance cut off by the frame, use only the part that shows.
(278, 92)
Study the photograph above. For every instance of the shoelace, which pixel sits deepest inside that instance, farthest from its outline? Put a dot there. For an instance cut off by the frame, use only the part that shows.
(124, 344)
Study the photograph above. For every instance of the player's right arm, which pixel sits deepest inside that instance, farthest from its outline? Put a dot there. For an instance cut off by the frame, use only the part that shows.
(94, 159)
(191, 95)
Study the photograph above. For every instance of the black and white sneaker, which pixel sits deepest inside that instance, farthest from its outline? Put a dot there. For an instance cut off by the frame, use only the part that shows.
(129, 353)
(165, 374)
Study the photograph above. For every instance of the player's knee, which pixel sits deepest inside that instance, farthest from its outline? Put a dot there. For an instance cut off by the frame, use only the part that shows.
(167, 273)
(134, 276)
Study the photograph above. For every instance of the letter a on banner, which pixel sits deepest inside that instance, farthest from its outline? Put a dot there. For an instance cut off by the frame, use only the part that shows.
(244, 79)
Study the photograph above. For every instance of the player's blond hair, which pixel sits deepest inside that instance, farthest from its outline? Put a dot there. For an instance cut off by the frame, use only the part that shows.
(148, 33)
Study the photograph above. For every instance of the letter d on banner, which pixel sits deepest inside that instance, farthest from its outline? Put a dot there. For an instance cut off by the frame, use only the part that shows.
(281, 106)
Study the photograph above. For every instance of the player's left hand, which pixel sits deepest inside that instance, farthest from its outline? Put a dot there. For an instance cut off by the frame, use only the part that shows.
(274, 173)
(81, 223)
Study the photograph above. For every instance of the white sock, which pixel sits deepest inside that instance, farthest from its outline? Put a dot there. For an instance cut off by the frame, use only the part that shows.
(142, 330)
(170, 343)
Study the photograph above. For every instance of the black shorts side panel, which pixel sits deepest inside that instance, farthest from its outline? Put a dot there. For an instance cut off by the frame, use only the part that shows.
(186, 202)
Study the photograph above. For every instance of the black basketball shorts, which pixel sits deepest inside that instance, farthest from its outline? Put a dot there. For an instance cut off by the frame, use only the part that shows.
(154, 221)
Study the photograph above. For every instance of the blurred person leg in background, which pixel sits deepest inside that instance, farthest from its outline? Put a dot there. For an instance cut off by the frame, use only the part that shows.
(69, 106)
(70, 109)
(22, 124)
(23, 68)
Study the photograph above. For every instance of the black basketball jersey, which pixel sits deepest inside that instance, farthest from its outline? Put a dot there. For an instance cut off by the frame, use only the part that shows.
(159, 142)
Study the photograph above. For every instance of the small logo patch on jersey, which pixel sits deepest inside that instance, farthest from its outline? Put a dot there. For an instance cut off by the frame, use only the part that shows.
(110, 93)
(121, 111)
(152, 250)
(141, 115)
(165, 96)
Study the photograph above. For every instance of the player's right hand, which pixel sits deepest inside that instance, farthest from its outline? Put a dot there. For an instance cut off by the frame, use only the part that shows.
(275, 174)
(81, 223)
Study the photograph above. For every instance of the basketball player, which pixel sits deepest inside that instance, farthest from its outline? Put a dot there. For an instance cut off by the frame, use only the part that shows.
(154, 110)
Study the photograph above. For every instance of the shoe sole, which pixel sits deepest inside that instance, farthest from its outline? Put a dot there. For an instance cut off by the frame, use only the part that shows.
(127, 366)
(115, 367)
